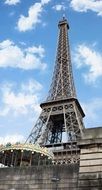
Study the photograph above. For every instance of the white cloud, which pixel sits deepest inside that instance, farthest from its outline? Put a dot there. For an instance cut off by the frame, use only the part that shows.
(23, 101)
(31, 86)
(12, 2)
(36, 50)
(93, 110)
(59, 7)
(11, 55)
(85, 5)
(19, 109)
(43, 2)
(88, 56)
(11, 139)
(34, 16)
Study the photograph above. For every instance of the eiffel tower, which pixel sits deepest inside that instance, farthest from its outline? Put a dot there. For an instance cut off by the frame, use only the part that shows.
(61, 119)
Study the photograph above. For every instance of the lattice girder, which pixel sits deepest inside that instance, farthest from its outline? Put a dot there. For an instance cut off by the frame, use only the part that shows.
(62, 82)
(54, 120)
(61, 113)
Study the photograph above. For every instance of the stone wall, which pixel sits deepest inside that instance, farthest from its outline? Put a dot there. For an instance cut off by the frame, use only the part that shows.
(61, 177)
(90, 181)
(90, 168)
(87, 175)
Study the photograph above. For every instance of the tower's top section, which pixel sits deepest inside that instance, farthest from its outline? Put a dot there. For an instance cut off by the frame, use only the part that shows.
(62, 86)
(63, 22)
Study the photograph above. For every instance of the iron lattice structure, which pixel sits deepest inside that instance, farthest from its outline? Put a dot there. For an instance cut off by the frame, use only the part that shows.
(61, 119)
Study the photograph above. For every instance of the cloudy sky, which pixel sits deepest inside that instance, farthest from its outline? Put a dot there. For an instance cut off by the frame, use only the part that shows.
(28, 38)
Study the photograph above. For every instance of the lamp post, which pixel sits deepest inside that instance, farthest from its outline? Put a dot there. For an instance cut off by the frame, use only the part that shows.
(55, 180)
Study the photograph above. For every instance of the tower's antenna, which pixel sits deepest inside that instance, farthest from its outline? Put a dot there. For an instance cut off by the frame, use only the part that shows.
(64, 16)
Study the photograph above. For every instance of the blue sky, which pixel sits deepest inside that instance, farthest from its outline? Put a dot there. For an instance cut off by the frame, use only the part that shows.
(28, 39)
